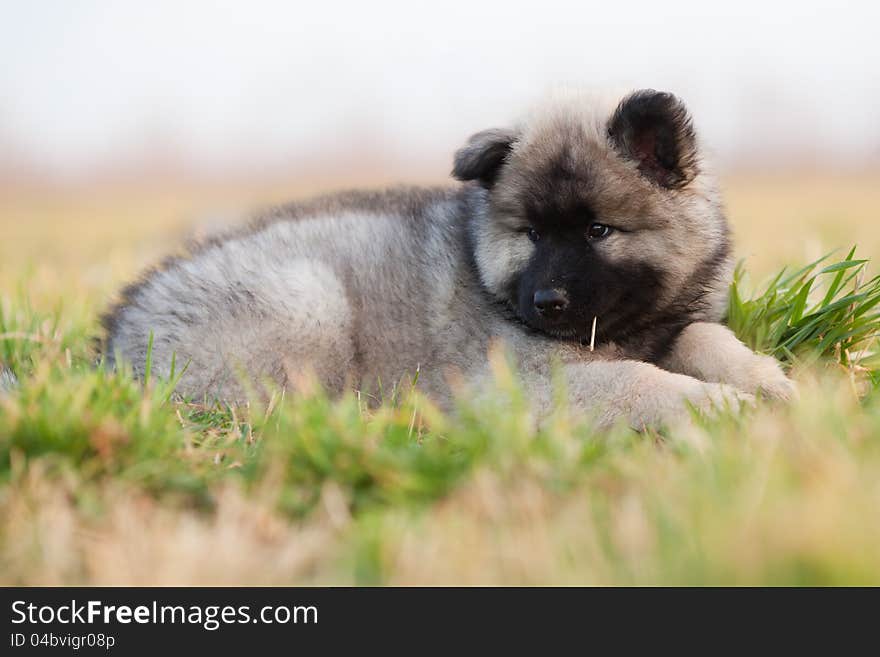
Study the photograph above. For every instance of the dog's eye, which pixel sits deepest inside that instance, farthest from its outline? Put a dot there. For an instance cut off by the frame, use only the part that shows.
(533, 234)
(598, 231)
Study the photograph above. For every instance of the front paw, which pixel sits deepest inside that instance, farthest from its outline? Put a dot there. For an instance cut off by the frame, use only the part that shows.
(673, 404)
(711, 352)
(714, 397)
(765, 377)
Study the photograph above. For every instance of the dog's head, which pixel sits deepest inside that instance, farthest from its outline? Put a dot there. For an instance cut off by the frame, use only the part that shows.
(599, 213)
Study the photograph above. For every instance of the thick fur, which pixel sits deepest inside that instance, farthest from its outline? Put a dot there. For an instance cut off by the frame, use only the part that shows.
(362, 288)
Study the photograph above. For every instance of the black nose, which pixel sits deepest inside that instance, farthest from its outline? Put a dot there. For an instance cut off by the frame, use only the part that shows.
(550, 302)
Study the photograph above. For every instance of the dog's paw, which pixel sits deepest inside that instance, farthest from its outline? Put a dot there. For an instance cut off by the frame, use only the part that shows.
(764, 376)
(711, 352)
(675, 404)
(715, 397)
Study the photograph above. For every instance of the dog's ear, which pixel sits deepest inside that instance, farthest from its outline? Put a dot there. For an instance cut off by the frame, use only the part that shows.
(655, 130)
(481, 157)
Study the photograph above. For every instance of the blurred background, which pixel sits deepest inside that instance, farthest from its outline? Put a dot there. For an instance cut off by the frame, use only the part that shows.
(126, 124)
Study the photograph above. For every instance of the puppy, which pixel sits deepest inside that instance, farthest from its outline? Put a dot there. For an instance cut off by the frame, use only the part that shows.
(589, 235)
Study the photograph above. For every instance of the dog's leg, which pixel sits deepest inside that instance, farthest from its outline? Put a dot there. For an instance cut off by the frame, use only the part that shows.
(611, 390)
(711, 352)
(643, 394)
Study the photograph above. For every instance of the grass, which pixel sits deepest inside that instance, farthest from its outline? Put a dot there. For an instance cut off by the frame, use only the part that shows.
(107, 481)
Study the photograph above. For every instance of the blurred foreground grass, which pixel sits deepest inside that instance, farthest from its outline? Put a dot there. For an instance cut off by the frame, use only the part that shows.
(103, 482)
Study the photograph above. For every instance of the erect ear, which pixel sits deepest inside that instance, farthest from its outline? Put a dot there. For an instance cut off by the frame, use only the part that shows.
(481, 157)
(655, 130)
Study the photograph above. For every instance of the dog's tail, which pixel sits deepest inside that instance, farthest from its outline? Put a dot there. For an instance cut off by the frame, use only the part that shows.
(8, 382)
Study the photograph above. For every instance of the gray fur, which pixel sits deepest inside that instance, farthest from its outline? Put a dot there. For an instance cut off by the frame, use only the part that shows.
(364, 287)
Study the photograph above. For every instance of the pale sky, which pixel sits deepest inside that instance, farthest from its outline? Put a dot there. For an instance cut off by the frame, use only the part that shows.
(222, 82)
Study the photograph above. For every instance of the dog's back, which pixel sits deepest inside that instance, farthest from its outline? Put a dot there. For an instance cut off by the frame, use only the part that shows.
(345, 286)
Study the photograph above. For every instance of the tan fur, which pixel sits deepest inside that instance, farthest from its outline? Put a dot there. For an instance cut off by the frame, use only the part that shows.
(712, 352)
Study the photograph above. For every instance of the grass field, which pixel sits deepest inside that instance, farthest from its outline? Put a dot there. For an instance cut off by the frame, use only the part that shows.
(105, 481)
